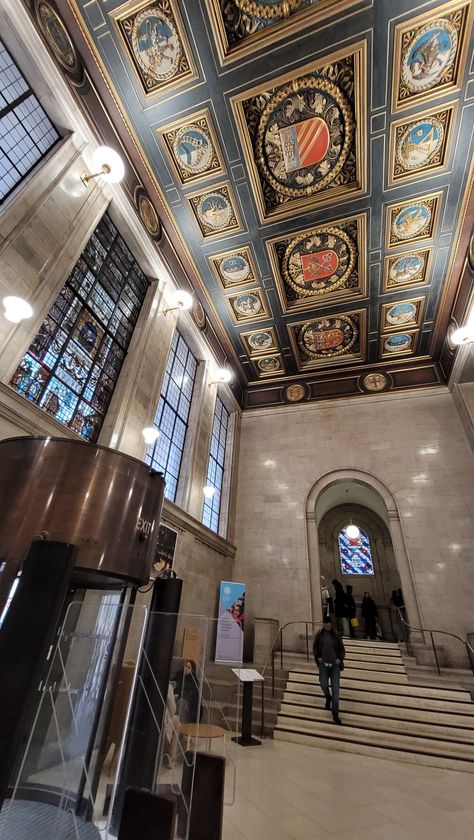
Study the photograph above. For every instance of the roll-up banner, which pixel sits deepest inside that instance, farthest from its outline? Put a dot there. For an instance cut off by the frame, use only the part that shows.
(230, 624)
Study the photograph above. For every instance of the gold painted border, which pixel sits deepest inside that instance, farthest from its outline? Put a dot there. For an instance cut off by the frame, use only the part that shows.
(215, 258)
(320, 301)
(261, 375)
(330, 196)
(204, 113)
(259, 41)
(392, 209)
(419, 21)
(260, 316)
(250, 351)
(409, 285)
(429, 169)
(396, 356)
(235, 207)
(420, 303)
(351, 358)
(190, 75)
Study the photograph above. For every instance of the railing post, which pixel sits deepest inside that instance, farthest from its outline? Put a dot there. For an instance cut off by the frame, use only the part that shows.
(281, 647)
(307, 642)
(273, 671)
(263, 703)
(435, 654)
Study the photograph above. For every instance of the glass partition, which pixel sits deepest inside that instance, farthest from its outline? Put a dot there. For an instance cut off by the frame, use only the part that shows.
(74, 770)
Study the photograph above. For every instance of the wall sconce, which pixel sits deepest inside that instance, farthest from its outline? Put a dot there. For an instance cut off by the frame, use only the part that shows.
(463, 335)
(16, 309)
(150, 434)
(179, 299)
(209, 491)
(223, 375)
(107, 164)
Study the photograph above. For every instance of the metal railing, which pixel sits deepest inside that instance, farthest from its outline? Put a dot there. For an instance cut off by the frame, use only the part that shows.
(430, 633)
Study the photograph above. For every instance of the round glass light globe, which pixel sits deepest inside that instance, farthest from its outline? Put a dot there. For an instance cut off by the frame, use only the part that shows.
(181, 299)
(105, 157)
(208, 491)
(16, 309)
(224, 375)
(352, 531)
(150, 434)
(463, 335)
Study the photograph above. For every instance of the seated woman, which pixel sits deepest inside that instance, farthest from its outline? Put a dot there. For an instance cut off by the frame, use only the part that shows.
(186, 691)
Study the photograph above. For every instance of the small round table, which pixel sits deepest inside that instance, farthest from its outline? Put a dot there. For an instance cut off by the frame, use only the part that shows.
(208, 731)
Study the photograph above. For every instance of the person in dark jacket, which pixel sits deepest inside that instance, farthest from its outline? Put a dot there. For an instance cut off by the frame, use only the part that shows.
(369, 614)
(186, 690)
(329, 653)
(340, 608)
(351, 609)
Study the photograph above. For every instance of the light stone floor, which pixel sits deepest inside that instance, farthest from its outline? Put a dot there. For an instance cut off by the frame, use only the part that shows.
(292, 792)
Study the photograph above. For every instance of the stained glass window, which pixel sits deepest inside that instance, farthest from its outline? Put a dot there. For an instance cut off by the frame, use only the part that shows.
(71, 368)
(26, 133)
(355, 554)
(215, 467)
(172, 414)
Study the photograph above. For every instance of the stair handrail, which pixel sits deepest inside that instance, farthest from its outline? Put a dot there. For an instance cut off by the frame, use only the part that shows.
(469, 648)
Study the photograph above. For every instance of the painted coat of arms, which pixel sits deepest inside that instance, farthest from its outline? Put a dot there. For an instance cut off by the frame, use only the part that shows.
(156, 41)
(234, 268)
(215, 211)
(406, 270)
(420, 144)
(328, 339)
(192, 146)
(412, 221)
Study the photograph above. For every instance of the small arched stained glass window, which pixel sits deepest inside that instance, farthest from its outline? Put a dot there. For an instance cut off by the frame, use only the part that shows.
(355, 554)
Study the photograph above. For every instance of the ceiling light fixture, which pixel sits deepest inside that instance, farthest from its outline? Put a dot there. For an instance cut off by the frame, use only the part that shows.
(179, 299)
(223, 376)
(16, 309)
(209, 491)
(107, 164)
(352, 531)
(150, 434)
(463, 335)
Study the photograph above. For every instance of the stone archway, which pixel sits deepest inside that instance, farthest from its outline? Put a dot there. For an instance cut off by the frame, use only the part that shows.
(378, 498)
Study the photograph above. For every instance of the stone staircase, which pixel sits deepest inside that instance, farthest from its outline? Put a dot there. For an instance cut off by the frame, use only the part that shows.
(383, 713)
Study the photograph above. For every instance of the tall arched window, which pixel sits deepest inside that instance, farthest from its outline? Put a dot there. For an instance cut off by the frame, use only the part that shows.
(355, 554)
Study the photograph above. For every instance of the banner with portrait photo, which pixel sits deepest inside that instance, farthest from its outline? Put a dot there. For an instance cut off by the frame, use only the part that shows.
(230, 624)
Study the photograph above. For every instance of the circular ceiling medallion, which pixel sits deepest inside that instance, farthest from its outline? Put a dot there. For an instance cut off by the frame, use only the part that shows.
(411, 221)
(156, 45)
(471, 252)
(248, 303)
(375, 382)
(235, 268)
(57, 36)
(193, 149)
(260, 341)
(419, 143)
(269, 9)
(328, 337)
(304, 136)
(295, 393)
(215, 210)
(319, 262)
(452, 327)
(406, 268)
(198, 314)
(269, 364)
(149, 215)
(429, 55)
(401, 313)
(398, 343)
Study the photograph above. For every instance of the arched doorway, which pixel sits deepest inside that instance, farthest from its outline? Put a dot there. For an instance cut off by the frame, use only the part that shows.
(351, 487)
(367, 563)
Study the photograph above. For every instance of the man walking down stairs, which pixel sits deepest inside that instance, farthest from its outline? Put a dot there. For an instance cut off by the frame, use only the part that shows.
(383, 713)
(329, 653)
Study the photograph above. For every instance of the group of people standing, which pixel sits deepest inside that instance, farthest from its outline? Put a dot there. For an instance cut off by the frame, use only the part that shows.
(343, 609)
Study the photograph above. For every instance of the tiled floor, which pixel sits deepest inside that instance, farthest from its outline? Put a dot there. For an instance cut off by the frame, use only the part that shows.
(290, 792)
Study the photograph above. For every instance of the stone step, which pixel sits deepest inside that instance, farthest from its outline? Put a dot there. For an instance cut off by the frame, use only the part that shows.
(414, 713)
(422, 729)
(353, 674)
(387, 698)
(351, 664)
(364, 748)
(390, 684)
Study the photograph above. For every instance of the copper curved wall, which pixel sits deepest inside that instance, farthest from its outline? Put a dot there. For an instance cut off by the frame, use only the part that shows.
(105, 502)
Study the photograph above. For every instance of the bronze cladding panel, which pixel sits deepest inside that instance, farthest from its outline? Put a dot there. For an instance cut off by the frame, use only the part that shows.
(105, 502)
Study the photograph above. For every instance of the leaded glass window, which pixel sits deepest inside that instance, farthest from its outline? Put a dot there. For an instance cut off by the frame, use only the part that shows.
(71, 367)
(26, 132)
(215, 466)
(172, 414)
(355, 554)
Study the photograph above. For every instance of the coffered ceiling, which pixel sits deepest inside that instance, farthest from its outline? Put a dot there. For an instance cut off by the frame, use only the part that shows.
(311, 163)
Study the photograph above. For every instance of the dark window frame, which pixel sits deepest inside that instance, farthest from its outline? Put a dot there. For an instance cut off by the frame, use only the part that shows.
(211, 512)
